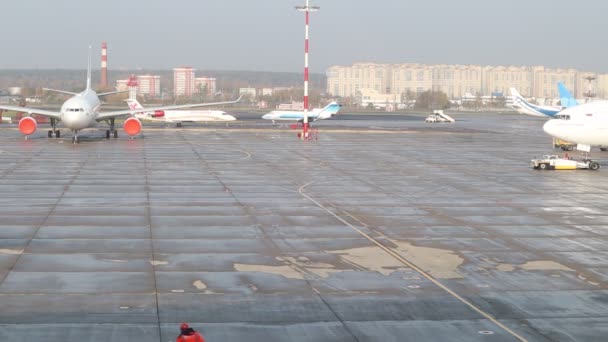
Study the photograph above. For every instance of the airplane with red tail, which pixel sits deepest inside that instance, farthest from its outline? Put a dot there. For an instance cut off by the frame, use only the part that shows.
(81, 111)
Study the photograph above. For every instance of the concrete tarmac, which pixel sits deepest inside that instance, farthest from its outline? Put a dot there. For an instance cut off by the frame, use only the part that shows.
(383, 229)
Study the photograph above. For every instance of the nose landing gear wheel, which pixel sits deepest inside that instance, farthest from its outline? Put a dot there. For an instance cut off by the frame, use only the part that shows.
(57, 134)
(115, 134)
(50, 134)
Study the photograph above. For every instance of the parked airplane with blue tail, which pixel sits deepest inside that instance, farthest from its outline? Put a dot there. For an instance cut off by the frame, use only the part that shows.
(314, 115)
(525, 107)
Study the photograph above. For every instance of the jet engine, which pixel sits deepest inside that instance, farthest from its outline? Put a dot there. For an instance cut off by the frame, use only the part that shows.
(132, 126)
(158, 114)
(27, 125)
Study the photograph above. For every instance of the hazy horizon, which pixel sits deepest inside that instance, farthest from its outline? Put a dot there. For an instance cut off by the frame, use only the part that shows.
(268, 35)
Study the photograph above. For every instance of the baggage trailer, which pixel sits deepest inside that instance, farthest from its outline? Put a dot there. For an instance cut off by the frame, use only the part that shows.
(554, 162)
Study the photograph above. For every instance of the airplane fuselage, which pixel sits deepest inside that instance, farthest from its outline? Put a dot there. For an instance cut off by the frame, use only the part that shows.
(177, 116)
(535, 110)
(80, 111)
(313, 115)
(586, 124)
(291, 115)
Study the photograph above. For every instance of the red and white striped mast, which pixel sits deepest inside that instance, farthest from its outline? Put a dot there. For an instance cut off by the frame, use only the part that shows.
(306, 9)
(104, 66)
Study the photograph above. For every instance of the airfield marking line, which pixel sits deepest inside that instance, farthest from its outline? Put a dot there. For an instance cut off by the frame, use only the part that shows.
(411, 265)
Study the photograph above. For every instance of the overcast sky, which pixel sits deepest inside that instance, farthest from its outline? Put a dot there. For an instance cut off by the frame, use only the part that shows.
(268, 34)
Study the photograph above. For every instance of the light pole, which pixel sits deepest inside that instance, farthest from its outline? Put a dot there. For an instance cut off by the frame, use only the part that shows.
(306, 9)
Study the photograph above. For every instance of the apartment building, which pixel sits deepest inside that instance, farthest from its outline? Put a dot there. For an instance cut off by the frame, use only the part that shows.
(183, 81)
(346, 81)
(208, 85)
(458, 80)
(413, 78)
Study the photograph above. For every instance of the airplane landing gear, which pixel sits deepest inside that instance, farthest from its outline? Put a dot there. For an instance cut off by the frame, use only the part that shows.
(54, 130)
(111, 131)
(56, 133)
(75, 138)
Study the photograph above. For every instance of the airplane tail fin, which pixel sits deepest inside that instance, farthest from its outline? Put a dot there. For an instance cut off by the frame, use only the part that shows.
(134, 104)
(518, 100)
(565, 97)
(89, 70)
(515, 93)
(328, 111)
(332, 108)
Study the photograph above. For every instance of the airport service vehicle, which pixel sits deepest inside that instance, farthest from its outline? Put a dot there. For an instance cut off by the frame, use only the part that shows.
(180, 116)
(81, 111)
(563, 144)
(554, 162)
(439, 116)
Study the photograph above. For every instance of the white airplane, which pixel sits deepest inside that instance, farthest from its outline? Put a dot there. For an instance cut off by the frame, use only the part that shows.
(314, 115)
(81, 111)
(585, 125)
(179, 116)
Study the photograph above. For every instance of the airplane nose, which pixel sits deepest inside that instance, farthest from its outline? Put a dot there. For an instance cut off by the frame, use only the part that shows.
(551, 127)
(73, 120)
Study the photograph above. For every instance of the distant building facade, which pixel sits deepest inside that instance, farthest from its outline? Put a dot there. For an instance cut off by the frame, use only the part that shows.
(184, 82)
(294, 105)
(206, 85)
(247, 91)
(147, 85)
(121, 85)
(458, 80)
(370, 97)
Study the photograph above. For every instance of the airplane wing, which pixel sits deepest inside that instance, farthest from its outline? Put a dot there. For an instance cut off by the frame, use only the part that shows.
(111, 93)
(117, 113)
(59, 91)
(50, 114)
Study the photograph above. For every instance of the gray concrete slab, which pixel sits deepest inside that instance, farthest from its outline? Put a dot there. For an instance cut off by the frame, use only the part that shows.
(75, 332)
(250, 234)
